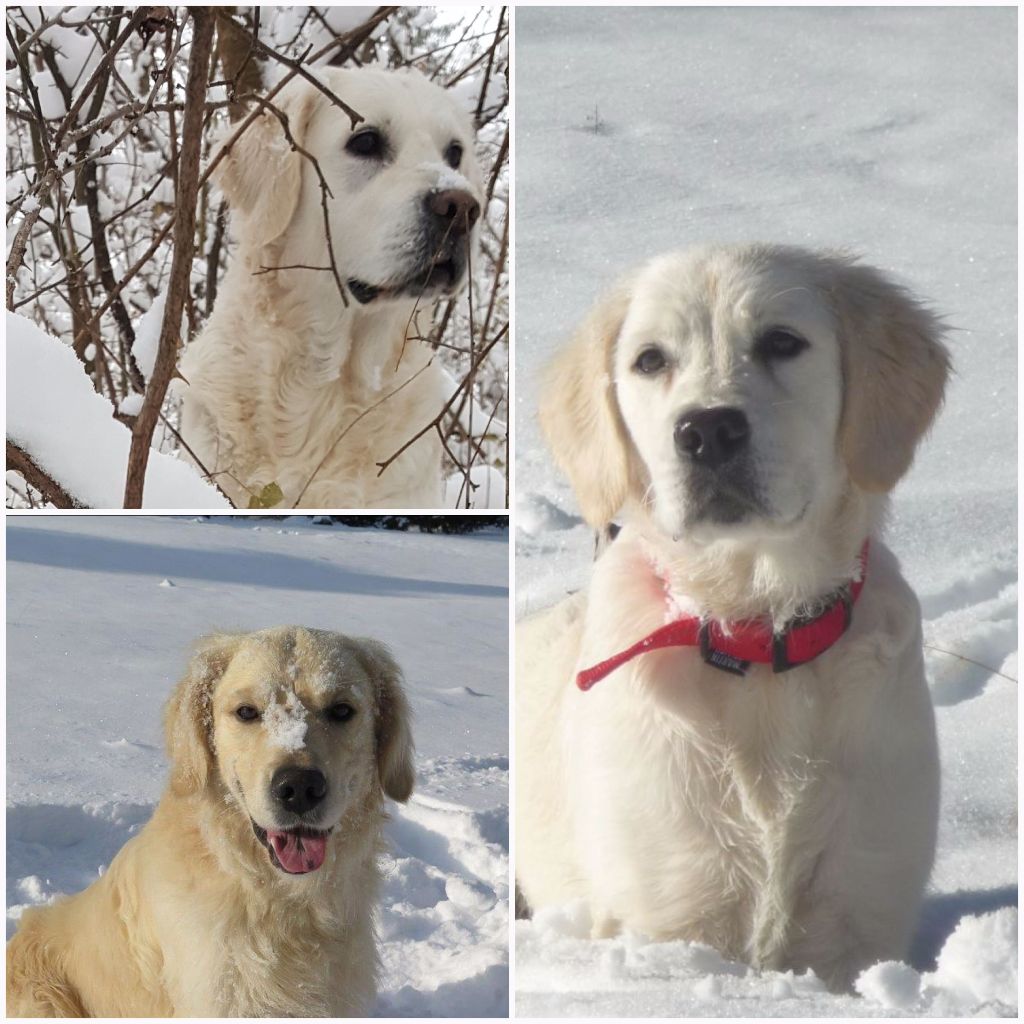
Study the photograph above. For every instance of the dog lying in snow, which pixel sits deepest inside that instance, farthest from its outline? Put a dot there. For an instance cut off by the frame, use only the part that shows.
(251, 890)
(729, 739)
(288, 384)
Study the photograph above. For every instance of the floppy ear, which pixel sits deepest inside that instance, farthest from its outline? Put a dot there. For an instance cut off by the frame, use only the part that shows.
(580, 415)
(261, 176)
(187, 716)
(894, 369)
(394, 735)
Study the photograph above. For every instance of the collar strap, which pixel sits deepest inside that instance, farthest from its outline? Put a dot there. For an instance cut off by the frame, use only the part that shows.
(752, 640)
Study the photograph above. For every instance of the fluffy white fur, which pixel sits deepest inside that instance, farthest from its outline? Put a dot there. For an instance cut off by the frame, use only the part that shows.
(287, 384)
(787, 820)
(192, 918)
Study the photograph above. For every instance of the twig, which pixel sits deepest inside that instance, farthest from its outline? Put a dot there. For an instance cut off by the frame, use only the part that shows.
(100, 71)
(470, 378)
(438, 419)
(963, 657)
(498, 163)
(364, 413)
(325, 193)
(213, 256)
(21, 236)
(295, 66)
(289, 266)
(487, 74)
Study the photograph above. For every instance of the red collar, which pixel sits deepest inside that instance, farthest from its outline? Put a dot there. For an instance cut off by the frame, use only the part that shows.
(751, 640)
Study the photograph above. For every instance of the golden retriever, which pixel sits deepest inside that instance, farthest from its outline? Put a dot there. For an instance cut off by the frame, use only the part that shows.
(251, 890)
(747, 757)
(293, 382)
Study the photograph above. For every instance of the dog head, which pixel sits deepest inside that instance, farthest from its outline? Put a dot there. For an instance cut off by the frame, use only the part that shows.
(298, 728)
(403, 189)
(734, 391)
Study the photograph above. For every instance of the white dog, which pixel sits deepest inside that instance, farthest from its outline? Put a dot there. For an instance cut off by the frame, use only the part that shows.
(729, 738)
(291, 383)
(250, 892)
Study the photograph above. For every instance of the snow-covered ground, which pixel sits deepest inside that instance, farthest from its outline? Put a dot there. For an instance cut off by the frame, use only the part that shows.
(889, 131)
(100, 614)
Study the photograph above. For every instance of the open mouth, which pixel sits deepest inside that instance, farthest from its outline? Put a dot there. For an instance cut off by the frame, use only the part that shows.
(442, 276)
(296, 851)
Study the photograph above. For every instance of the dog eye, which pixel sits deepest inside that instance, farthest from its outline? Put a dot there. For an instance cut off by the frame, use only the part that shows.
(651, 360)
(368, 143)
(779, 343)
(453, 155)
(246, 713)
(340, 712)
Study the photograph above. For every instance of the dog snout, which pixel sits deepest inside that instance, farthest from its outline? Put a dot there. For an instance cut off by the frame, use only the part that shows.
(298, 789)
(454, 210)
(711, 437)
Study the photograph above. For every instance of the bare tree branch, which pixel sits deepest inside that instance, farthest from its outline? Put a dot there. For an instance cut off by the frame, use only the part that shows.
(184, 247)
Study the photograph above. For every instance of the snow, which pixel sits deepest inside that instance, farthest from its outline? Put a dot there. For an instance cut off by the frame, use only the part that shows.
(890, 984)
(979, 961)
(446, 177)
(487, 488)
(87, 614)
(55, 415)
(147, 336)
(130, 405)
(630, 976)
(890, 131)
(51, 102)
(976, 972)
(285, 723)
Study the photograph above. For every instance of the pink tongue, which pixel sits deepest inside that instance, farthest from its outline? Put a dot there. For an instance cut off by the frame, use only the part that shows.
(298, 854)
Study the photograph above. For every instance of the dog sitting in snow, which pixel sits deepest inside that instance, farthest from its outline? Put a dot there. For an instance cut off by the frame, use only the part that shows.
(728, 738)
(251, 890)
(292, 383)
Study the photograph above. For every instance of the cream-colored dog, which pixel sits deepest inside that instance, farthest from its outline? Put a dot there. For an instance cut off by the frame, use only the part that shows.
(754, 776)
(291, 383)
(251, 891)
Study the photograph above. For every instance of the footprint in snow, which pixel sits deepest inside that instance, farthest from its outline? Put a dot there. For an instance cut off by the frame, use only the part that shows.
(536, 514)
(125, 744)
(461, 691)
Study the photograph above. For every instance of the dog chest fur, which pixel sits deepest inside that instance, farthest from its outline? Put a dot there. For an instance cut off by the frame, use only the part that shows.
(305, 401)
(175, 917)
(695, 804)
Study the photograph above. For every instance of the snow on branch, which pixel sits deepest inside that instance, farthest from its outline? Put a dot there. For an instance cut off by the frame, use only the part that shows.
(84, 467)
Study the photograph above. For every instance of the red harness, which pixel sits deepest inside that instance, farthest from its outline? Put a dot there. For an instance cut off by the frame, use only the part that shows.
(752, 640)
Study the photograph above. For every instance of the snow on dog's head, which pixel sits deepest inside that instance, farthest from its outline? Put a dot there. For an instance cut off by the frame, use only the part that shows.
(297, 729)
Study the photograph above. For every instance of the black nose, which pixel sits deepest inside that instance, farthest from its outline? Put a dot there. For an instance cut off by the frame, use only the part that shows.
(298, 789)
(455, 210)
(712, 437)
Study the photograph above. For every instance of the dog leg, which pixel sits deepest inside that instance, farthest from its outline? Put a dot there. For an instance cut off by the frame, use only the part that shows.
(605, 925)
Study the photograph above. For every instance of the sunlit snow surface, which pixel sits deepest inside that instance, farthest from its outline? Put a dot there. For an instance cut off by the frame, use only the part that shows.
(890, 132)
(96, 639)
